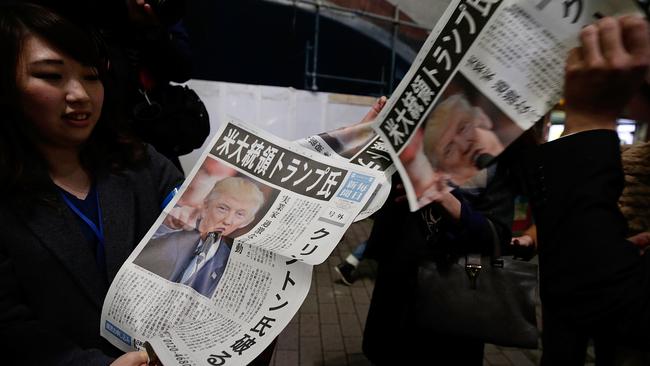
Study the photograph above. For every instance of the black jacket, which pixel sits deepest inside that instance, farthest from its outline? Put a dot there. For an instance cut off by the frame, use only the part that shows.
(401, 242)
(591, 277)
(51, 291)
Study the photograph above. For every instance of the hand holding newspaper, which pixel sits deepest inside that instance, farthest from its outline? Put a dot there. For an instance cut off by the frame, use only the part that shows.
(489, 70)
(229, 262)
(360, 145)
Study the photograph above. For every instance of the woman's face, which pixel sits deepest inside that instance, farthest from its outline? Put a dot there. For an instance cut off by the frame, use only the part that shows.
(60, 97)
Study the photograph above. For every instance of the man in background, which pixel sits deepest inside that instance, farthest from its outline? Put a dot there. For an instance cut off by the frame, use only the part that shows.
(593, 279)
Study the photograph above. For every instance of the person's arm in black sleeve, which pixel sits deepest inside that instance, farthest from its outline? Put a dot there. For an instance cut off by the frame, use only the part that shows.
(590, 275)
(25, 340)
(471, 228)
(164, 174)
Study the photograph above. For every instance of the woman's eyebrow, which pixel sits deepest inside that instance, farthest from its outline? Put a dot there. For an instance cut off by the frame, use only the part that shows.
(47, 61)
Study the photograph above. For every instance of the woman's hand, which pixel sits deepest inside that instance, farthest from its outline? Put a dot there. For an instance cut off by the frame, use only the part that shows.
(440, 192)
(138, 358)
(374, 111)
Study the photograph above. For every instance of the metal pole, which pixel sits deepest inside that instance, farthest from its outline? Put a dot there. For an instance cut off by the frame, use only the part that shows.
(383, 81)
(345, 78)
(307, 73)
(315, 49)
(392, 49)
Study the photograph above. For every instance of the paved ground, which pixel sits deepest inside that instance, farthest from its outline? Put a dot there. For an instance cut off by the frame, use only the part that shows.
(328, 329)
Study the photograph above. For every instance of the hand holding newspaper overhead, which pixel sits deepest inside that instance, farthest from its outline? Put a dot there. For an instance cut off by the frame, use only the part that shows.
(489, 70)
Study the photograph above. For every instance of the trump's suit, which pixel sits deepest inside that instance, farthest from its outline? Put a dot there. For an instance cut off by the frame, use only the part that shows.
(170, 255)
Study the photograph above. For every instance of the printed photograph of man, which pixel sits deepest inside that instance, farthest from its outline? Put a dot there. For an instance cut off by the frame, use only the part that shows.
(458, 139)
(195, 251)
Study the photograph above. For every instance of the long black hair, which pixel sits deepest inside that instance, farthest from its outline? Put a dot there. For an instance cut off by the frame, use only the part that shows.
(23, 170)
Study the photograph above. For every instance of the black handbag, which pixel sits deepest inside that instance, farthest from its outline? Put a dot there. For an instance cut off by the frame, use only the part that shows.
(488, 298)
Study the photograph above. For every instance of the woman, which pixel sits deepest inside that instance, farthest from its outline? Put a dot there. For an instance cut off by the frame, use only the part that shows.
(452, 224)
(78, 194)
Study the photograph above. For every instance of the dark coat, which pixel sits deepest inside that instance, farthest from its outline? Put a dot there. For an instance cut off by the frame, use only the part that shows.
(592, 280)
(51, 290)
(401, 241)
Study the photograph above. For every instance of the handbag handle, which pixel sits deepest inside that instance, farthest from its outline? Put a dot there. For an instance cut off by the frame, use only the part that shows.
(496, 247)
(473, 264)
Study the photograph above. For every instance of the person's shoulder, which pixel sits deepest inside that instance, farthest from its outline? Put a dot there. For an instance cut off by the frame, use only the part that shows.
(605, 135)
(153, 157)
(157, 164)
(599, 145)
(154, 173)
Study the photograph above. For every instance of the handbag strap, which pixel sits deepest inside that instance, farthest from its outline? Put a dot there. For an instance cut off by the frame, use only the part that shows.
(473, 263)
(496, 247)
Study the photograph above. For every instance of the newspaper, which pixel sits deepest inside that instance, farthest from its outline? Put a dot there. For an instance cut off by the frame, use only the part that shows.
(358, 144)
(488, 71)
(229, 262)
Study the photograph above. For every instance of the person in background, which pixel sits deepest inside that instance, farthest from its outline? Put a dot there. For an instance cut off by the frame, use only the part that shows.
(79, 193)
(594, 282)
(347, 269)
(635, 206)
(635, 199)
(524, 232)
(148, 47)
(454, 223)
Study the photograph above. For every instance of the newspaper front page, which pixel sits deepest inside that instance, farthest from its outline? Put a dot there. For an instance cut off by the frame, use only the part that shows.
(229, 262)
(488, 71)
(358, 144)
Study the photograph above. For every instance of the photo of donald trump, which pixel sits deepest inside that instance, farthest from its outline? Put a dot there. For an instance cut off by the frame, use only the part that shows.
(192, 246)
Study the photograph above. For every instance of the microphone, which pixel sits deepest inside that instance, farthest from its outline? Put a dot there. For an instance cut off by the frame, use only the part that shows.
(483, 160)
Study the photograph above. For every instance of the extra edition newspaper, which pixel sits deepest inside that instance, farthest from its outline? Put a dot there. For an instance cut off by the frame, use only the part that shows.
(229, 262)
(488, 71)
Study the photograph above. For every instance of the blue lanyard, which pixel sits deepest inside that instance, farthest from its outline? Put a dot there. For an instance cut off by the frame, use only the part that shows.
(99, 232)
(169, 197)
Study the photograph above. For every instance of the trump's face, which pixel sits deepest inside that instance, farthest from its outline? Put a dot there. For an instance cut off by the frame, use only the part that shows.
(457, 146)
(225, 213)
(466, 137)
